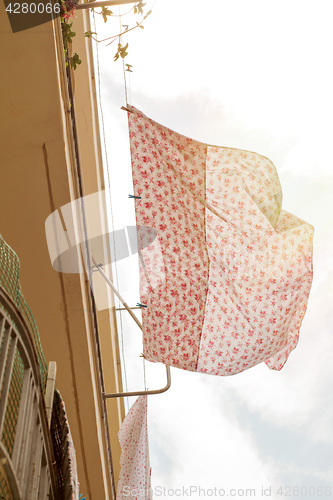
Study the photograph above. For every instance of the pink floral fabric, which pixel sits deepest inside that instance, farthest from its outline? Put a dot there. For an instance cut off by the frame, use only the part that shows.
(134, 479)
(227, 279)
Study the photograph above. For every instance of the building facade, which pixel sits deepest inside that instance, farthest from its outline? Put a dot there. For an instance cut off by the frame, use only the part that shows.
(50, 156)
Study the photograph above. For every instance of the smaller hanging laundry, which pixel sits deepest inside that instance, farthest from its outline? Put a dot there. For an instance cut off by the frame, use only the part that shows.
(134, 477)
(65, 457)
(226, 280)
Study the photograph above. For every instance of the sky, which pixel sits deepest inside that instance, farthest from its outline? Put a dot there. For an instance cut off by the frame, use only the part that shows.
(254, 75)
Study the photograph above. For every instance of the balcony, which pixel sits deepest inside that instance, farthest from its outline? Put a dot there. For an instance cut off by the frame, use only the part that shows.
(32, 435)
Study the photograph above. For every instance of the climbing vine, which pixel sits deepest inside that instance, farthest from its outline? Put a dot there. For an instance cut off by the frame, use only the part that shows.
(68, 9)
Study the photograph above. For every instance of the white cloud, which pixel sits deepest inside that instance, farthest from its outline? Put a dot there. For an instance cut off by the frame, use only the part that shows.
(203, 440)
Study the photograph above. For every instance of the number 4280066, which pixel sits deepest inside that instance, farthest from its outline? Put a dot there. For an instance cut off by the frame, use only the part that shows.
(33, 8)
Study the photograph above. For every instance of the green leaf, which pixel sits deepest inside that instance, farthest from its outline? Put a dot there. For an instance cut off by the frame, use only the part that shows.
(138, 8)
(74, 60)
(121, 52)
(105, 13)
(66, 27)
(67, 32)
(89, 34)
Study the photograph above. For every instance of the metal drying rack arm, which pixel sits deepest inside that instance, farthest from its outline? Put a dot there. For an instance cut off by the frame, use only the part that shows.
(126, 306)
(142, 393)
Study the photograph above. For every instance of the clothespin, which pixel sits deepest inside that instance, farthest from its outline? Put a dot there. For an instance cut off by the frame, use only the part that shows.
(133, 196)
(126, 109)
(138, 304)
(95, 268)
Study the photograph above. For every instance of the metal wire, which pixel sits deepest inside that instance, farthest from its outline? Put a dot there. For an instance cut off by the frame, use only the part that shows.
(111, 206)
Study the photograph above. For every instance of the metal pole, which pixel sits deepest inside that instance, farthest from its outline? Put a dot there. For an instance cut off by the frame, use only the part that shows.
(124, 308)
(142, 393)
(109, 282)
(104, 3)
(168, 374)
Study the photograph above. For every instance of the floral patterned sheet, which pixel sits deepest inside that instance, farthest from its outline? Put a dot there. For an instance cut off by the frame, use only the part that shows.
(226, 280)
(134, 478)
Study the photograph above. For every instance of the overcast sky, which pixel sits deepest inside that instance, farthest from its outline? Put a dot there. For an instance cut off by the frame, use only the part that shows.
(253, 75)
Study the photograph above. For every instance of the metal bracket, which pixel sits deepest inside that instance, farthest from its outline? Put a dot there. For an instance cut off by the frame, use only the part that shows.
(111, 285)
(142, 393)
(126, 306)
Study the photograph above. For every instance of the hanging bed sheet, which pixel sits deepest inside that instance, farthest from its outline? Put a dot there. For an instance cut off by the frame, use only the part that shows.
(225, 273)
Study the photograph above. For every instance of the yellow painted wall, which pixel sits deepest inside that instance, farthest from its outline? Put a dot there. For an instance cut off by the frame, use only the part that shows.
(37, 176)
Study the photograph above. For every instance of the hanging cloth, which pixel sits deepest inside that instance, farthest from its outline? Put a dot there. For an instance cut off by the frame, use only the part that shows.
(134, 478)
(226, 280)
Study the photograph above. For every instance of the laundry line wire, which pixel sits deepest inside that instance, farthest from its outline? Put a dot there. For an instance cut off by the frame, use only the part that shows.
(126, 101)
(110, 202)
(107, 168)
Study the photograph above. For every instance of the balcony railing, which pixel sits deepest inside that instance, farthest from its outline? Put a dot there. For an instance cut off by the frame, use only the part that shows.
(27, 467)
(27, 471)
(9, 282)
